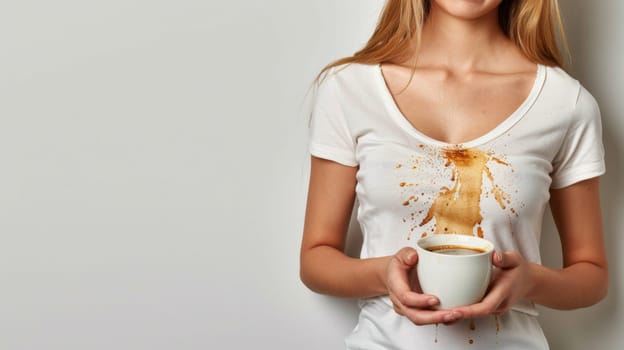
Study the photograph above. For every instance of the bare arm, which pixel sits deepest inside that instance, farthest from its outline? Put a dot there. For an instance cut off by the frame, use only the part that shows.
(324, 267)
(583, 281)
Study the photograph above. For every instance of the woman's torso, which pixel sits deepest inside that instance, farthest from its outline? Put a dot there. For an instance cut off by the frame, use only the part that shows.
(410, 185)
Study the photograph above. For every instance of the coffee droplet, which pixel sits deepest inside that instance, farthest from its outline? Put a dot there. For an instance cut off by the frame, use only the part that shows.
(480, 232)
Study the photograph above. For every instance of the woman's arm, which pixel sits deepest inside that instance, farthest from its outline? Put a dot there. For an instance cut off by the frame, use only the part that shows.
(326, 269)
(581, 282)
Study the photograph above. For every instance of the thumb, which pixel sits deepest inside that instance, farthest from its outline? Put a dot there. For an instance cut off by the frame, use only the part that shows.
(506, 260)
(407, 257)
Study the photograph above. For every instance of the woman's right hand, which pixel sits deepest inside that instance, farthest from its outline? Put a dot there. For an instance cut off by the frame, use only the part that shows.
(415, 306)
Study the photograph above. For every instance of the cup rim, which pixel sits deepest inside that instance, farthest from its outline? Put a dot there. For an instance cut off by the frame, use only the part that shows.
(460, 239)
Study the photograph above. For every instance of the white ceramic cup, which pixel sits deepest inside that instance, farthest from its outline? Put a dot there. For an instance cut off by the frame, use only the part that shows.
(456, 280)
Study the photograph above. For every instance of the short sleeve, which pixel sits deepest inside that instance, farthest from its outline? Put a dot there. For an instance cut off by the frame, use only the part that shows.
(581, 156)
(329, 133)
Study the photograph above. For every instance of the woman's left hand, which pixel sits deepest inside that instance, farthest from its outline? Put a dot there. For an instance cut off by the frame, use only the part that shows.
(512, 281)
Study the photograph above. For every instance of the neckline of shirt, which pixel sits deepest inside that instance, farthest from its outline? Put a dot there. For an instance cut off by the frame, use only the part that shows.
(396, 114)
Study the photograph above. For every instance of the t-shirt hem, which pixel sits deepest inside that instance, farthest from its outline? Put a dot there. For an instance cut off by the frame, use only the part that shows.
(333, 154)
(574, 175)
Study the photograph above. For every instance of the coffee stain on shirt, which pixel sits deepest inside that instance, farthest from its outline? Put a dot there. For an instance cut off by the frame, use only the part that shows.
(458, 209)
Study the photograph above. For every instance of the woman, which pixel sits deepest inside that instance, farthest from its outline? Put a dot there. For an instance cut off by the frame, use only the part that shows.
(455, 107)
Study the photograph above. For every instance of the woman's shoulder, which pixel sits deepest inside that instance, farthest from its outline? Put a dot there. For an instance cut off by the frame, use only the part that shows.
(350, 79)
(345, 83)
(559, 75)
(352, 72)
(568, 87)
(562, 86)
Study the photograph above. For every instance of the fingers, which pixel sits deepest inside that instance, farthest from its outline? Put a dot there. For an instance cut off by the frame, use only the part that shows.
(413, 299)
(506, 260)
(491, 304)
(398, 307)
(406, 257)
(415, 306)
(398, 282)
(425, 316)
(397, 275)
(503, 291)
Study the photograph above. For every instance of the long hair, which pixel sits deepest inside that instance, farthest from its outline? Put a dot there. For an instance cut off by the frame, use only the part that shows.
(532, 25)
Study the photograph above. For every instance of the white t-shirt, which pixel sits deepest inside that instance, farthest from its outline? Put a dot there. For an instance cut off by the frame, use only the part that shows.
(496, 186)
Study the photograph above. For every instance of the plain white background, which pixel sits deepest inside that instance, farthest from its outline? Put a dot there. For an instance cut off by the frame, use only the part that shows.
(153, 172)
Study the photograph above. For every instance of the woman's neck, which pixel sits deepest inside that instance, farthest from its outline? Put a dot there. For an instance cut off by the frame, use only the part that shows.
(459, 44)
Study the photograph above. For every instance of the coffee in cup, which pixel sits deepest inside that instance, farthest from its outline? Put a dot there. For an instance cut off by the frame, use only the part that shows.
(454, 249)
(455, 268)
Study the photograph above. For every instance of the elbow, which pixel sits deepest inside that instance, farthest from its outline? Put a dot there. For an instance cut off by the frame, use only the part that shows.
(598, 294)
(308, 281)
(313, 267)
(591, 288)
(303, 275)
(600, 288)
(306, 276)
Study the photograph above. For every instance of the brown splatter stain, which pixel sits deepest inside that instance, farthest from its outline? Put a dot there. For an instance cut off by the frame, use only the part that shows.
(472, 325)
(497, 324)
(497, 160)
(402, 184)
(458, 209)
(423, 235)
(410, 199)
(499, 195)
(398, 166)
(436, 333)
(470, 341)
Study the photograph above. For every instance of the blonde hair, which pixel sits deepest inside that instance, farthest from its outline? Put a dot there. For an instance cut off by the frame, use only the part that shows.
(532, 25)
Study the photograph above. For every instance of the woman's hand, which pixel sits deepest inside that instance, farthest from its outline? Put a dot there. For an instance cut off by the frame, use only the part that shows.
(512, 281)
(414, 305)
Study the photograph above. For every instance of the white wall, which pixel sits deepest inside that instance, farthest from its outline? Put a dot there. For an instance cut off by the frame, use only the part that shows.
(153, 167)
